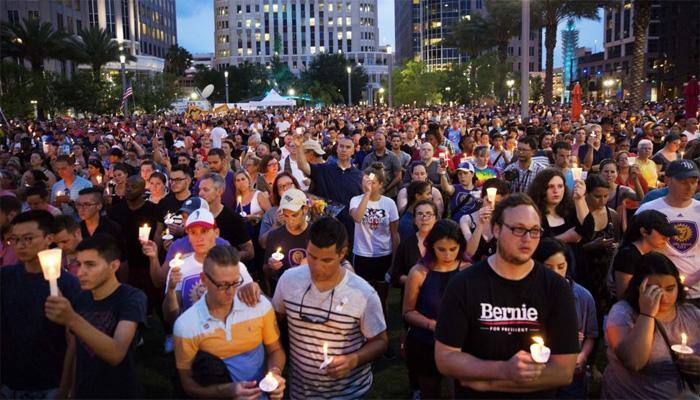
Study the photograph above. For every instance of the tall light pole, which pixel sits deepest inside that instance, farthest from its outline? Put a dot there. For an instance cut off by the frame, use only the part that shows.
(226, 81)
(122, 61)
(36, 109)
(390, 56)
(349, 69)
(510, 83)
(525, 62)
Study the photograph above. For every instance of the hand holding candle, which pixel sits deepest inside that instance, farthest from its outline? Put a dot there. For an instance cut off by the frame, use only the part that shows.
(176, 262)
(144, 232)
(167, 235)
(540, 353)
(278, 255)
(326, 360)
(576, 172)
(50, 261)
(491, 195)
(683, 348)
(269, 383)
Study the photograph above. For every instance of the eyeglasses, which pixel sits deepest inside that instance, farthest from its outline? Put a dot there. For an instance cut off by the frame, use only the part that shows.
(16, 241)
(425, 215)
(85, 205)
(535, 232)
(315, 319)
(224, 286)
(178, 180)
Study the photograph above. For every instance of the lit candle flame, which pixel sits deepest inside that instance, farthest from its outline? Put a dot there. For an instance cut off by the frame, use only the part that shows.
(538, 340)
(279, 249)
(682, 278)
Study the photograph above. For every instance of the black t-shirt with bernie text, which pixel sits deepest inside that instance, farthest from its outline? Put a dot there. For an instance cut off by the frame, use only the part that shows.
(493, 318)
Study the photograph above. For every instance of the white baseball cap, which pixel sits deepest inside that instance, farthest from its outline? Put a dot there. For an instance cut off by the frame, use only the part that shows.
(201, 217)
(293, 200)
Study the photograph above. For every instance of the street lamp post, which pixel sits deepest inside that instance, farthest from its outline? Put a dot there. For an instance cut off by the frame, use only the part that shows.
(510, 83)
(390, 57)
(525, 66)
(36, 109)
(122, 61)
(349, 69)
(226, 82)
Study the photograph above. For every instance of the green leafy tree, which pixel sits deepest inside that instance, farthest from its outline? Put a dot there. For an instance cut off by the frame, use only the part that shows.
(16, 90)
(550, 13)
(154, 93)
(248, 80)
(94, 46)
(177, 60)
(537, 89)
(640, 24)
(330, 71)
(33, 41)
(413, 84)
(471, 36)
(503, 20)
(281, 76)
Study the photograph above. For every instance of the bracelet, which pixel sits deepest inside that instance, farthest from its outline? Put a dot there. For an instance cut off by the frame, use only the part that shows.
(646, 315)
(276, 369)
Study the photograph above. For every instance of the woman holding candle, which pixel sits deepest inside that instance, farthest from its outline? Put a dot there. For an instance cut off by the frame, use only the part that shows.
(563, 213)
(419, 173)
(251, 204)
(642, 328)
(95, 173)
(476, 227)
(425, 286)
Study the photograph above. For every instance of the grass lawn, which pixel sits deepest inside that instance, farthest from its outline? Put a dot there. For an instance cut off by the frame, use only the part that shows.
(156, 370)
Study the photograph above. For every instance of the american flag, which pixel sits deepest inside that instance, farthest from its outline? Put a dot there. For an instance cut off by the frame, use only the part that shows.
(127, 92)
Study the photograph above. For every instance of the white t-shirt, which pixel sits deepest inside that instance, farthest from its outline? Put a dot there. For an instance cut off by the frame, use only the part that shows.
(283, 126)
(373, 234)
(692, 136)
(190, 288)
(684, 248)
(217, 134)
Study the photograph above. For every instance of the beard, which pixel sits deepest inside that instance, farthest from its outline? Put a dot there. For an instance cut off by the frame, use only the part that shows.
(514, 258)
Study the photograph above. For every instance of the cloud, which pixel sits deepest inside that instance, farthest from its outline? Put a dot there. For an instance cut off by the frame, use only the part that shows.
(195, 25)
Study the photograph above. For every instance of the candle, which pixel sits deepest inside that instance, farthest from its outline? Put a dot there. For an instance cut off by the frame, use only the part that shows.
(491, 195)
(371, 176)
(59, 193)
(576, 172)
(269, 383)
(144, 232)
(167, 235)
(540, 353)
(99, 179)
(169, 219)
(683, 348)
(176, 262)
(278, 255)
(50, 261)
(326, 360)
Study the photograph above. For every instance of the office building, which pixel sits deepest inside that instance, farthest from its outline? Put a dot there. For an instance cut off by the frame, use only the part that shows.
(145, 28)
(431, 23)
(296, 31)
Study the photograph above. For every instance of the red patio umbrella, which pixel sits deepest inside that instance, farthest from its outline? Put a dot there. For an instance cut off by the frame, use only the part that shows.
(576, 102)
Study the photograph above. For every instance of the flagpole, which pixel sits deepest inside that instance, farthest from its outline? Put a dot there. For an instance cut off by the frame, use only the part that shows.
(125, 100)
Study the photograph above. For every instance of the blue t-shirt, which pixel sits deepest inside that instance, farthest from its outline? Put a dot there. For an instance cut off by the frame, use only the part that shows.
(32, 348)
(598, 155)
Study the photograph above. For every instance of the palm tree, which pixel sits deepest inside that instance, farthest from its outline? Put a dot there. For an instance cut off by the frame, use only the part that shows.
(95, 46)
(34, 41)
(550, 13)
(470, 36)
(640, 23)
(503, 24)
(177, 60)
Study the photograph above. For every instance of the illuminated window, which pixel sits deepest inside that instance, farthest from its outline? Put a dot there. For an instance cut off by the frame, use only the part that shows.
(312, 21)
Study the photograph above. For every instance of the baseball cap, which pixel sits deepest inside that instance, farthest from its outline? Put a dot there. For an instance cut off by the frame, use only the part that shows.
(192, 204)
(292, 200)
(179, 143)
(201, 217)
(466, 167)
(313, 145)
(671, 137)
(116, 151)
(681, 169)
(654, 219)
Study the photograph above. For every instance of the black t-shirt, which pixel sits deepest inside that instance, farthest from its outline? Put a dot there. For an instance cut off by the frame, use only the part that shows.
(292, 246)
(232, 227)
(170, 204)
(130, 221)
(94, 377)
(626, 259)
(32, 348)
(107, 227)
(493, 318)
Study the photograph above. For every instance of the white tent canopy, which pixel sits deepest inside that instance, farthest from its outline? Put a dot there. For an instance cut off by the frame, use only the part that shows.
(273, 99)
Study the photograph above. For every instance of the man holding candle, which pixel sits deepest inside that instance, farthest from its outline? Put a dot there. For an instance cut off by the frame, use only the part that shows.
(491, 311)
(326, 304)
(291, 238)
(105, 323)
(32, 349)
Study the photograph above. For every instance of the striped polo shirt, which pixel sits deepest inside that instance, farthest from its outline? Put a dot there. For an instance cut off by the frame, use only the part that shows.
(239, 341)
(343, 317)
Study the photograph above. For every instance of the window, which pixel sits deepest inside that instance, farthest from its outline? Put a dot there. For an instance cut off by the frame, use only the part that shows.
(109, 13)
(78, 25)
(33, 15)
(125, 20)
(13, 16)
(69, 24)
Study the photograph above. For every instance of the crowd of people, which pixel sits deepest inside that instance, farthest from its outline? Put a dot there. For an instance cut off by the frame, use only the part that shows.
(268, 244)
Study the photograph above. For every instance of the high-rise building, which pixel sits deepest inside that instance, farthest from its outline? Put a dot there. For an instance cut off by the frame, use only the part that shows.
(296, 31)
(145, 28)
(432, 22)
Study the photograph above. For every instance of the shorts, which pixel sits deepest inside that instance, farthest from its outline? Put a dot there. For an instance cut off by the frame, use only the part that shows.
(371, 269)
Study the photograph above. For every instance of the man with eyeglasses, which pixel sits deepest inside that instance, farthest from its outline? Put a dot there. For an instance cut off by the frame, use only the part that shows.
(522, 172)
(32, 348)
(290, 239)
(491, 311)
(180, 181)
(219, 330)
(334, 318)
(183, 284)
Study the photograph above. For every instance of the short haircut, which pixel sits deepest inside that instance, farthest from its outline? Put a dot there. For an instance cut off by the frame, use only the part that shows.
(104, 244)
(149, 162)
(185, 169)
(530, 141)
(512, 201)
(218, 181)
(645, 142)
(560, 145)
(64, 223)
(548, 247)
(37, 190)
(221, 256)
(159, 175)
(10, 204)
(216, 152)
(94, 191)
(327, 232)
(43, 219)
(64, 158)
(121, 167)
